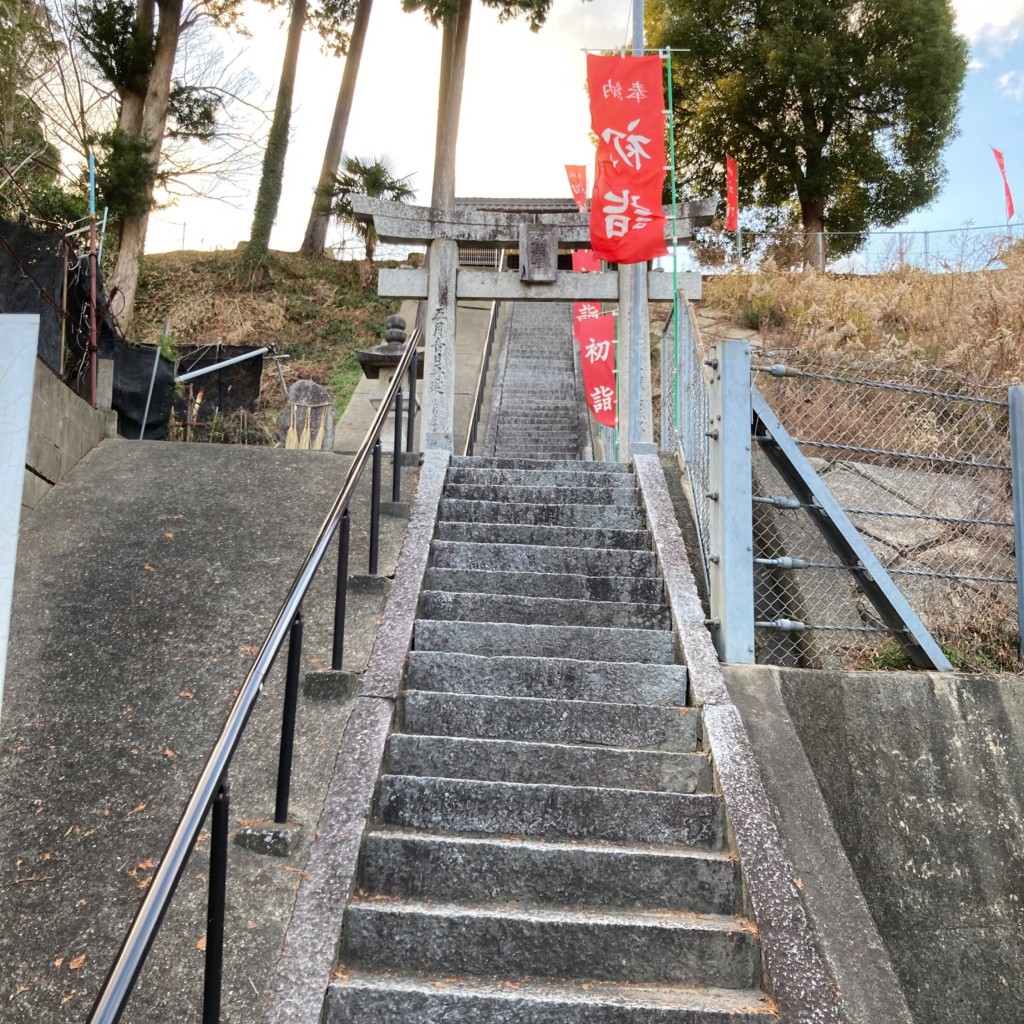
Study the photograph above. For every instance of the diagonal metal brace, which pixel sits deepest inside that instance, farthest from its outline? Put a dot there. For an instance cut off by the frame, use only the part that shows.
(791, 463)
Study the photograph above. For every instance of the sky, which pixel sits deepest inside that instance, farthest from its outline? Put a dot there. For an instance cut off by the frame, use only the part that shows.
(525, 115)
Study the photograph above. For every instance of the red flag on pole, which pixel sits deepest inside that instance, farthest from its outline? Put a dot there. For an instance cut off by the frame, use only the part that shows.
(595, 334)
(1006, 184)
(627, 114)
(732, 195)
(578, 183)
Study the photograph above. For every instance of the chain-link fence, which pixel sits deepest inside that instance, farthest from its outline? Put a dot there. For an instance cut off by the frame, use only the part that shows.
(714, 251)
(922, 468)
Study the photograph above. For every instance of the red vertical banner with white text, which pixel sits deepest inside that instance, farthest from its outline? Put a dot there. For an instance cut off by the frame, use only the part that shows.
(578, 183)
(627, 114)
(1007, 195)
(594, 332)
(732, 195)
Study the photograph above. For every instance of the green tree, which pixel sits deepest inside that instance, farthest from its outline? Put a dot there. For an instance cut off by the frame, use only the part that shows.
(366, 177)
(316, 229)
(838, 108)
(134, 45)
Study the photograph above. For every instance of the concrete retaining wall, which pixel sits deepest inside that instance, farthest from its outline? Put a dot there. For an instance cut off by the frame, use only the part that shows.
(62, 429)
(921, 779)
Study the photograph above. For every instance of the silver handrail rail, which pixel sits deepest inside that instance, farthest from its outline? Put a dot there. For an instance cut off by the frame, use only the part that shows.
(119, 982)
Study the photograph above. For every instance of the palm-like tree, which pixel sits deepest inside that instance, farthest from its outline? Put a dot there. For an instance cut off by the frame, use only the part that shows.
(364, 176)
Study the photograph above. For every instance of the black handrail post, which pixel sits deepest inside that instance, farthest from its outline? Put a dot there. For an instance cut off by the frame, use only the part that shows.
(341, 592)
(216, 901)
(291, 703)
(396, 469)
(375, 510)
(413, 370)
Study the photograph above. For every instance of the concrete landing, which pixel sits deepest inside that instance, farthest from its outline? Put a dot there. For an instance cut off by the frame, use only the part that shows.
(145, 583)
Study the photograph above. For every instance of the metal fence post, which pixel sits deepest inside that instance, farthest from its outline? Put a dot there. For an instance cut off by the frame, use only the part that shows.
(216, 903)
(1016, 402)
(731, 573)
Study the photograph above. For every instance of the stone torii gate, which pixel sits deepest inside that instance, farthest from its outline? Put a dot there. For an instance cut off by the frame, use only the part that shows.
(537, 229)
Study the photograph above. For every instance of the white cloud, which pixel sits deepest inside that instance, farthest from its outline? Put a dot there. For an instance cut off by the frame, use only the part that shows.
(1012, 85)
(987, 18)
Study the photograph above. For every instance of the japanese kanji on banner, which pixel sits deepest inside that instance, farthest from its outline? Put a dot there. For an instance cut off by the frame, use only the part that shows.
(578, 183)
(627, 223)
(594, 332)
(732, 195)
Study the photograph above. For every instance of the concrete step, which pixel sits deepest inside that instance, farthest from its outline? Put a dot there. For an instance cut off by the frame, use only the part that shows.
(551, 611)
(537, 477)
(563, 812)
(510, 941)
(496, 639)
(475, 869)
(645, 589)
(359, 997)
(605, 517)
(558, 764)
(547, 720)
(556, 536)
(556, 678)
(450, 554)
(545, 495)
(574, 465)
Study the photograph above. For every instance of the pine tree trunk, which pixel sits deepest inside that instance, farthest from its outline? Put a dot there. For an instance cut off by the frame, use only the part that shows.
(320, 216)
(269, 195)
(153, 117)
(449, 107)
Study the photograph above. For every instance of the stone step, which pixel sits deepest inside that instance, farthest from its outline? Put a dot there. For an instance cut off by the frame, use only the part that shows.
(557, 764)
(556, 678)
(553, 536)
(358, 997)
(496, 639)
(474, 869)
(604, 517)
(563, 812)
(644, 589)
(551, 611)
(540, 451)
(537, 477)
(545, 495)
(509, 941)
(550, 720)
(574, 465)
(451, 554)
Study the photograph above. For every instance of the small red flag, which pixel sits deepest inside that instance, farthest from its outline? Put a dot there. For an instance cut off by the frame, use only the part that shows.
(1006, 184)
(585, 261)
(732, 195)
(578, 183)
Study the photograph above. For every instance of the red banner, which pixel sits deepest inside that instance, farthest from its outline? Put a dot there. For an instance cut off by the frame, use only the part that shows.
(594, 332)
(732, 195)
(585, 261)
(578, 183)
(627, 114)
(1006, 184)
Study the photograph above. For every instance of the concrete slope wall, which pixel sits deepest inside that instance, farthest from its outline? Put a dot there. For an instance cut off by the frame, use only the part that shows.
(922, 776)
(62, 429)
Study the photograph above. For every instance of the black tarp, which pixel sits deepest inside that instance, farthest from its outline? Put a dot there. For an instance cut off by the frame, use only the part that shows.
(224, 391)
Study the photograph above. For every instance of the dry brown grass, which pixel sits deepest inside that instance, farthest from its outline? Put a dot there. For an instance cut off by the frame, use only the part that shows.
(972, 323)
(318, 312)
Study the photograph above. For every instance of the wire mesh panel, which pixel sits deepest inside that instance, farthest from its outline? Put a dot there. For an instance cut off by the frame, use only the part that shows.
(922, 469)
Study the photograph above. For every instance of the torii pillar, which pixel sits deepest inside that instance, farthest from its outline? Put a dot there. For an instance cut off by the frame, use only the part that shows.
(537, 236)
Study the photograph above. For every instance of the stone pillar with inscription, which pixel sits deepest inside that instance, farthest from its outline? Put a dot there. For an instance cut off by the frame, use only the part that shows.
(438, 423)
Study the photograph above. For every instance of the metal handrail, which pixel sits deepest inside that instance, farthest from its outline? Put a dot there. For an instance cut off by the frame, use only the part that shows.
(122, 976)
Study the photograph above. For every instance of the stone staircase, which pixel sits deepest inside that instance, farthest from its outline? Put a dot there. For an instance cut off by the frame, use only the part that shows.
(535, 410)
(546, 845)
